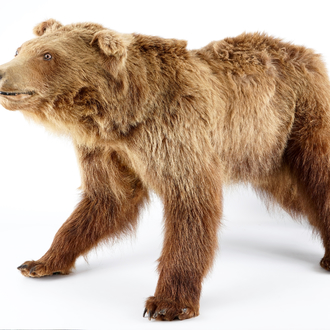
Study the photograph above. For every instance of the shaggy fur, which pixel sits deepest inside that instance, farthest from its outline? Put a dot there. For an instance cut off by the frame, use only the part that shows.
(145, 113)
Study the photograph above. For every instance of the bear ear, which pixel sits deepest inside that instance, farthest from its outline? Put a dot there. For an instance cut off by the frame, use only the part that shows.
(113, 46)
(47, 26)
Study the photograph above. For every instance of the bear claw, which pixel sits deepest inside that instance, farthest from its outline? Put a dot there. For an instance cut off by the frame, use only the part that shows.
(162, 312)
(22, 266)
(32, 270)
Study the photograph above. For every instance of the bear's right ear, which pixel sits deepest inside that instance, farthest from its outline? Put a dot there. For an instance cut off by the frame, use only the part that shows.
(47, 26)
(113, 46)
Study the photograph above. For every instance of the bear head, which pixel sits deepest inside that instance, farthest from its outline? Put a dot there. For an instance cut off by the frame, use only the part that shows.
(68, 74)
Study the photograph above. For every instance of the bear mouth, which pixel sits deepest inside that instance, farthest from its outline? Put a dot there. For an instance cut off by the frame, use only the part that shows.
(16, 95)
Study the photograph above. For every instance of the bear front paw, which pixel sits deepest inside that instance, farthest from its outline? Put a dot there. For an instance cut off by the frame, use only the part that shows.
(167, 310)
(39, 269)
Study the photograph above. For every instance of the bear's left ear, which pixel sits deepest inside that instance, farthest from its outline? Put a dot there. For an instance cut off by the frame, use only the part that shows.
(47, 26)
(113, 46)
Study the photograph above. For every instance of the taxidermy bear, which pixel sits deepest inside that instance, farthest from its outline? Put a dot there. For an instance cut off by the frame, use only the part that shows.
(146, 114)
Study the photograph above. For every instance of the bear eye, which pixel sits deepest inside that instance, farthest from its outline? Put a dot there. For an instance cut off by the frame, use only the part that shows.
(16, 53)
(48, 57)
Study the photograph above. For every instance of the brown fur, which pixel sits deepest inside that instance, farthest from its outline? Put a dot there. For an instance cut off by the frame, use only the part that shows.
(146, 114)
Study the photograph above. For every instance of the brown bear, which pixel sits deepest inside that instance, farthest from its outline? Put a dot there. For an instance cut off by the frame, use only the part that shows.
(146, 114)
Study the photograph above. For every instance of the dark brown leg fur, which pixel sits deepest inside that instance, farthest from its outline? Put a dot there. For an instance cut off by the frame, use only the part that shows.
(282, 188)
(302, 186)
(309, 161)
(192, 217)
(100, 215)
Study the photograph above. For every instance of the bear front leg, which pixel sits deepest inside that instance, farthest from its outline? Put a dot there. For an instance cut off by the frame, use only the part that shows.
(113, 197)
(93, 221)
(192, 216)
(86, 227)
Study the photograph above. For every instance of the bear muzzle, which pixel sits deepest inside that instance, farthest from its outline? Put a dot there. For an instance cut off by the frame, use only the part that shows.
(9, 92)
(10, 81)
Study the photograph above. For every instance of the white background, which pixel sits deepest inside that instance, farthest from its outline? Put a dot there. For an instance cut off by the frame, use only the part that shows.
(266, 275)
